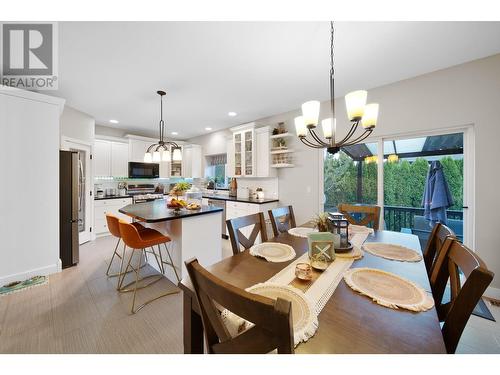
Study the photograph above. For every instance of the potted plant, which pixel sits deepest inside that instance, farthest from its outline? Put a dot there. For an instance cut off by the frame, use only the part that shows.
(321, 222)
(180, 189)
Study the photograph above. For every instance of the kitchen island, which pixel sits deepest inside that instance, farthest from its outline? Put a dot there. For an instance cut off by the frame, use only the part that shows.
(194, 233)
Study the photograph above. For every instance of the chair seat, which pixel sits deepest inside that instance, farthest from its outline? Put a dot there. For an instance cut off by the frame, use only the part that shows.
(139, 226)
(150, 237)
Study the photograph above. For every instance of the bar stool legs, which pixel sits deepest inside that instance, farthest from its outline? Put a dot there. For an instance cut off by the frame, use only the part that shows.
(115, 253)
(136, 269)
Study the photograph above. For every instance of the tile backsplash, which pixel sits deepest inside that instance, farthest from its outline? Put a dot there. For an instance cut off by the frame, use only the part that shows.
(268, 185)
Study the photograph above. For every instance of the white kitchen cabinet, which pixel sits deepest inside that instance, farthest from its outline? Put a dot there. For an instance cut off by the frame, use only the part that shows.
(249, 152)
(110, 158)
(102, 158)
(263, 152)
(137, 149)
(191, 161)
(104, 206)
(119, 159)
(230, 158)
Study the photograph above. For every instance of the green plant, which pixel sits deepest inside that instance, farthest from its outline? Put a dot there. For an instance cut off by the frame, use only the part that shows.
(182, 186)
(320, 221)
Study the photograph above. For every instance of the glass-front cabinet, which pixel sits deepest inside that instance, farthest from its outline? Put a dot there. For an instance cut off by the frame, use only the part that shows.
(244, 146)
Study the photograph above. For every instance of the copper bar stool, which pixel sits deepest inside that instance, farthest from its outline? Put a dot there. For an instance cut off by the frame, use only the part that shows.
(114, 229)
(140, 241)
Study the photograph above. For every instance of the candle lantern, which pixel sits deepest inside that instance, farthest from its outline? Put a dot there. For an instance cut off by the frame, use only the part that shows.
(340, 229)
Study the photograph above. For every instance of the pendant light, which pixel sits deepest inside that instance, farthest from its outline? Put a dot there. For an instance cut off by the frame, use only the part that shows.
(358, 112)
(161, 150)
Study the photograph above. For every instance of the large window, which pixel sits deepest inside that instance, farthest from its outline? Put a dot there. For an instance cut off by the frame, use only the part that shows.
(351, 176)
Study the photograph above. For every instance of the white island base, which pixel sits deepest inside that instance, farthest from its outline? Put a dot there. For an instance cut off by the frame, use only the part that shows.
(192, 237)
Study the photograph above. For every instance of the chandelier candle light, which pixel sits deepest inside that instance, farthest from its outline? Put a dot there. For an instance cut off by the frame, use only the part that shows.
(161, 151)
(358, 113)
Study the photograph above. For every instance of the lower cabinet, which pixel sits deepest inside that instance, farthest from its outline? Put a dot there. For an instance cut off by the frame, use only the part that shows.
(104, 206)
(238, 209)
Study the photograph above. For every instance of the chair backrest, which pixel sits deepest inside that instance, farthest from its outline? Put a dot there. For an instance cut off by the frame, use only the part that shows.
(272, 319)
(235, 225)
(113, 226)
(282, 219)
(454, 263)
(130, 235)
(370, 214)
(434, 244)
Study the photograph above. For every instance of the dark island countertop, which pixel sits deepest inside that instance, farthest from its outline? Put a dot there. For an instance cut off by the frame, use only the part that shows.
(113, 197)
(157, 210)
(222, 197)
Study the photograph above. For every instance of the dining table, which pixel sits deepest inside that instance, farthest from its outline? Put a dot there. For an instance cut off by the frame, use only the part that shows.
(349, 322)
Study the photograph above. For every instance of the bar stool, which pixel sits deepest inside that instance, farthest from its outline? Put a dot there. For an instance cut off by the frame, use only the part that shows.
(114, 229)
(140, 241)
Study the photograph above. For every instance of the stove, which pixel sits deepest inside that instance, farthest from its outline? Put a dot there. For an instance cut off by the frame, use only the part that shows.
(143, 193)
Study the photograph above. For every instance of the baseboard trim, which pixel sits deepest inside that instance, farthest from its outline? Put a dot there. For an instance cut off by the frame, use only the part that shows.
(42, 271)
(493, 293)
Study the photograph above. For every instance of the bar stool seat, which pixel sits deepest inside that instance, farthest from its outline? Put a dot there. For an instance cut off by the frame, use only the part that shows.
(140, 240)
(114, 229)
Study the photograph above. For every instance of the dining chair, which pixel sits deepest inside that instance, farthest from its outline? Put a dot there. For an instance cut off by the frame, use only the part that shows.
(272, 319)
(434, 244)
(282, 219)
(235, 225)
(468, 278)
(370, 214)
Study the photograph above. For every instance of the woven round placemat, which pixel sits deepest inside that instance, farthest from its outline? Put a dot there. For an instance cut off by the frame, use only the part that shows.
(392, 252)
(388, 289)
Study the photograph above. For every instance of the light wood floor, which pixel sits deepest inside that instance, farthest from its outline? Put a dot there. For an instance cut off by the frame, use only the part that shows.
(79, 311)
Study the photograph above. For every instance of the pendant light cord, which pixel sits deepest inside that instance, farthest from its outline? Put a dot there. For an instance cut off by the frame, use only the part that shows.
(332, 86)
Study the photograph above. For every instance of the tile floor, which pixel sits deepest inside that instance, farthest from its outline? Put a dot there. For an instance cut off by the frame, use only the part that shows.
(79, 311)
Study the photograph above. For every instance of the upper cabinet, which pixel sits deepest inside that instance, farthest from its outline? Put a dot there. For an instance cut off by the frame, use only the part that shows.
(191, 161)
(110, 158)
(137, 148)
(248, 156)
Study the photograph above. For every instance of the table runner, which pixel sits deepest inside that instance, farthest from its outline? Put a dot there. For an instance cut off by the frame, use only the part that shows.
(320, 291)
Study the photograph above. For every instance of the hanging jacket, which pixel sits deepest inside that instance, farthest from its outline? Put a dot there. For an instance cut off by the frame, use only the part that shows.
(437, 196)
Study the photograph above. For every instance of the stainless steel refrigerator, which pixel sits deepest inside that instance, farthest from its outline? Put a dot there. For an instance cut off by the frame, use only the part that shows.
(68, 208)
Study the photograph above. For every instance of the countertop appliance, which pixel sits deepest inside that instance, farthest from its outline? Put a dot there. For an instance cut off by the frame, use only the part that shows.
(143, 170)
(221, 204)
(243, 192)
(68, 208)
(143, 193)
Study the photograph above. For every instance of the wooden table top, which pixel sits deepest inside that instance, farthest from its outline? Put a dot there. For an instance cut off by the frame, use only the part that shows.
(350, 322)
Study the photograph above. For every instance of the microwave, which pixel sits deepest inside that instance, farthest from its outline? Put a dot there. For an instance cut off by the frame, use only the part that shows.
(143, 170)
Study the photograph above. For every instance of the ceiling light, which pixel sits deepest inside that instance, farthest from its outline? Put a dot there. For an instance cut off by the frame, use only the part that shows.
(154, 152)
(208, 128)
(358, 112)
(231, 114)
(114, 121)
(175, 133)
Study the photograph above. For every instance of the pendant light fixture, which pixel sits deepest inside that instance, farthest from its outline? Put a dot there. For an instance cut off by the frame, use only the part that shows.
(358, 112)
(161, 151)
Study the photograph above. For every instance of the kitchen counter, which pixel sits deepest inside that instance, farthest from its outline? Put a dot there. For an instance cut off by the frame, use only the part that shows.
(157, 211)
(223, 197)
(112, 197)
(192, 233)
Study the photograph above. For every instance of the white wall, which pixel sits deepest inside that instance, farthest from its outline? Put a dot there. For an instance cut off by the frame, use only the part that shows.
(454, 97)
(77, 125)
(29, 211)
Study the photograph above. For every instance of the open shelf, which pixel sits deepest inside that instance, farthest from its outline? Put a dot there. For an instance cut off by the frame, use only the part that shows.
(282, 135)
(284, 151)
(282, 165)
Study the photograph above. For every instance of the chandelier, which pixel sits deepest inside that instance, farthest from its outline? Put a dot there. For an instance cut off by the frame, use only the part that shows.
(161, 151)
(358, 112)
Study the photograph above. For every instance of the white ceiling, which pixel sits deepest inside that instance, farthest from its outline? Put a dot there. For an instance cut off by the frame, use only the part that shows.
(112, 70)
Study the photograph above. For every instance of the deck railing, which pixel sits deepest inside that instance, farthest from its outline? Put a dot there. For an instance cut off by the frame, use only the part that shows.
(397, 217)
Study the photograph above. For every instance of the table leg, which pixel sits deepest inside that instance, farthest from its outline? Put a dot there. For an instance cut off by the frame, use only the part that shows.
(193, 327)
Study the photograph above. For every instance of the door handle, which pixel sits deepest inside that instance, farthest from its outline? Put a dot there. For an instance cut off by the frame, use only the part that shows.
(465, 206)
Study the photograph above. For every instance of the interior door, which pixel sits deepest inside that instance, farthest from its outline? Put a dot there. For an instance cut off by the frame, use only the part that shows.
(84, 189)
